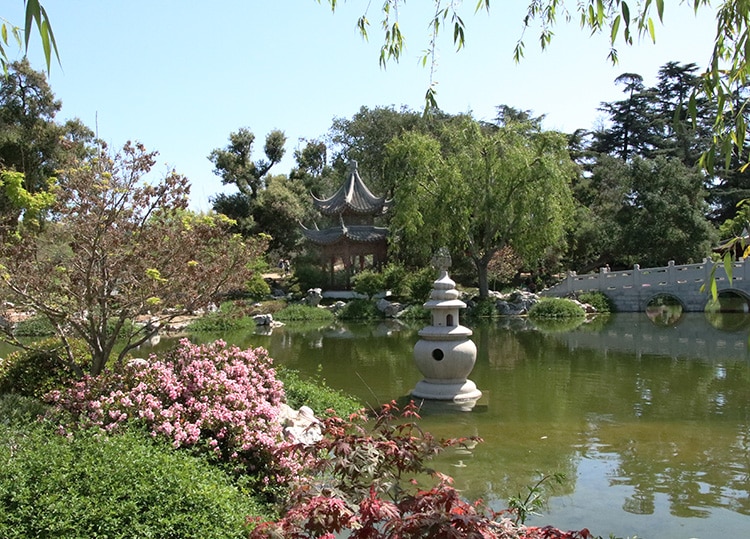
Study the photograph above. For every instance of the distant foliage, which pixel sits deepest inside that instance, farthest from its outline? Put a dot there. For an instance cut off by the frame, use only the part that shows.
(556, 308)
(395, 279)
(483, 308)
(360, 309)
(215, 399)
(420, 284)
(37, 326)
(256, 287)
(601, 302)
(504, 265)
(369, 283)
(299, 313)
(307, 276)
(220, 321)
(414, 312)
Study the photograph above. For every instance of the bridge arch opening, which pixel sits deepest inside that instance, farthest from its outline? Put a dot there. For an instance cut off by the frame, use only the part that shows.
(664, 309)
(730, 311)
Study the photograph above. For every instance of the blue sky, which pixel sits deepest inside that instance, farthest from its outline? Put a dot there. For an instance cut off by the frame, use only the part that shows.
(180, 76)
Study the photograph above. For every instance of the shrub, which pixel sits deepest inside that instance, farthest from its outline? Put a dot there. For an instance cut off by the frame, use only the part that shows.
(220, 321)
(18, 410)
(369, 283)
(298, 312)
(307, 276)
(317, 395)
(395, 279)
(360, 309)
(601, 302)
(556, 308)
(420, 284)
(36, 326)
(35, 372)
(483, 308)
(212, 398)
(415, 312)
(256, 287)
(120, 486)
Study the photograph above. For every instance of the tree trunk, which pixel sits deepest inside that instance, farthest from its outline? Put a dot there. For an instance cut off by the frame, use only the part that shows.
(484, 287)
(98, 361)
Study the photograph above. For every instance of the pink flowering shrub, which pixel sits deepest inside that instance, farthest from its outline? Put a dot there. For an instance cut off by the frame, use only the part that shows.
(212, 398)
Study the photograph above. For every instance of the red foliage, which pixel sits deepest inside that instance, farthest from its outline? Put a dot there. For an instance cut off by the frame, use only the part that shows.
(364, 486)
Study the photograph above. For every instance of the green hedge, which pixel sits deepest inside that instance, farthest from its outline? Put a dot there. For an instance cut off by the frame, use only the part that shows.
(601, 302)
(360, 309)
(316, 394)
(556, 308)
(120, 486)
(35, 372)
(298, 313)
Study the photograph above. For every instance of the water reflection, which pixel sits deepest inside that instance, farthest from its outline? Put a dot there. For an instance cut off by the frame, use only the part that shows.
(650, 424)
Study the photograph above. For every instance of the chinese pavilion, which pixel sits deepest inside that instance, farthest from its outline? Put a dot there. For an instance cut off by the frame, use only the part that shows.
(353, 236)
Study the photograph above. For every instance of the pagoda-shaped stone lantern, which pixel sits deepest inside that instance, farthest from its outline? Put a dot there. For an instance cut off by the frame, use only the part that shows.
(444, 354)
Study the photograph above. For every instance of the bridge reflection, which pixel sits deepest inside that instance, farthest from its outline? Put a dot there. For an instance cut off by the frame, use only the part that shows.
(711, 336)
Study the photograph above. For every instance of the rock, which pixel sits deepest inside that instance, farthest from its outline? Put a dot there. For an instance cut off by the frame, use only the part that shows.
(263, 319)
(300, 426)
(388, 308)
(314, 295)
(516, 303)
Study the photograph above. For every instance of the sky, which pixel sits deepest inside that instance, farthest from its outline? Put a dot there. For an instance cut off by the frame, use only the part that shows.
(180, 76)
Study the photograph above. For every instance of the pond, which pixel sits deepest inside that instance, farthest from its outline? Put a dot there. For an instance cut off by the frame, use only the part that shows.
(650, 423)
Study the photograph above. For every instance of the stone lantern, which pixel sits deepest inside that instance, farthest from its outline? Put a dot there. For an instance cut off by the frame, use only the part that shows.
(444, 354)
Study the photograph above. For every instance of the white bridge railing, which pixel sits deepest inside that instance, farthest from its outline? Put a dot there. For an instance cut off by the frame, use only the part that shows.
(637, 278)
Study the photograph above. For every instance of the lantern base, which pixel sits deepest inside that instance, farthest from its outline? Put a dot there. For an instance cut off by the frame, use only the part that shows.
(457, 392)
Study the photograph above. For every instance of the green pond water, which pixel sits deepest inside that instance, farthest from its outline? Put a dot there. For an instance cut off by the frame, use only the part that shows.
(650, 422)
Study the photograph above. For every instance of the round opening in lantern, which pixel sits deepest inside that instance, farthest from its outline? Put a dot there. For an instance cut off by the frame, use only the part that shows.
(437, 354)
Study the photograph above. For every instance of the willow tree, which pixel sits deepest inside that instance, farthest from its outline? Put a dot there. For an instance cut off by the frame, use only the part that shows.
(479, 189)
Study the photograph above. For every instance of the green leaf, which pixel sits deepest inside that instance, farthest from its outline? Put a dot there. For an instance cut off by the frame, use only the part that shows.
(660, 9)
(651, 30)
(728, 265)
(33, 13)
(482, 4)
(615, 29)
(714, 290)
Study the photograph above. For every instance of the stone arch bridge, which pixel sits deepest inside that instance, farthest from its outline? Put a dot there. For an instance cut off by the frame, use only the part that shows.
(632, 290)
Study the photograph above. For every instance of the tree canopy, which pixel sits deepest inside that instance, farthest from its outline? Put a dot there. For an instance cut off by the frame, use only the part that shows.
(480, 188)
(32, 143)
(725, 75)
(121, 256)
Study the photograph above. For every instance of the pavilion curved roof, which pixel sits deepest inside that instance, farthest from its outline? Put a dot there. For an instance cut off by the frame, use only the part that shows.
(354, 233)
(352, 197)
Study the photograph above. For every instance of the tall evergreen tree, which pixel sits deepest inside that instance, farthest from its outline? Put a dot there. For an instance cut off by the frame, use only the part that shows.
(631, 129)
(679, 135)
(32, 143)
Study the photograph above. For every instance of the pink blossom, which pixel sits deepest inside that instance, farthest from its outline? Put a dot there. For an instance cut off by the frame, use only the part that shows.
(217, 394)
